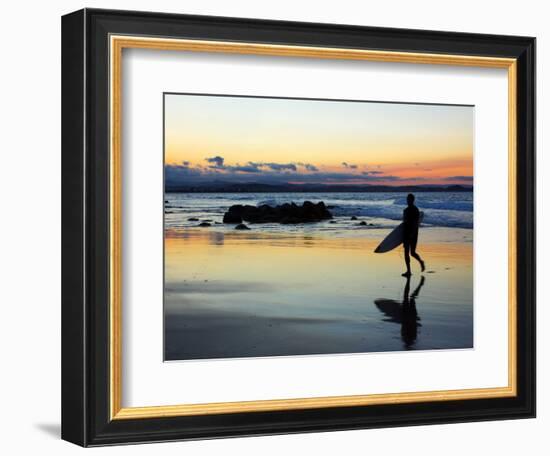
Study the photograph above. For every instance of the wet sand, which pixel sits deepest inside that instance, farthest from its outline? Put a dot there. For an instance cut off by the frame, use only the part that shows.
(248, 294)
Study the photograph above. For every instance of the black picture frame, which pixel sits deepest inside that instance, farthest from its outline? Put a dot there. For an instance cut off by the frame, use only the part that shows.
(85, 225)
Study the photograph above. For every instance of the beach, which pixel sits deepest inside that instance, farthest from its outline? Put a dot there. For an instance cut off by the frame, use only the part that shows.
(317, 288)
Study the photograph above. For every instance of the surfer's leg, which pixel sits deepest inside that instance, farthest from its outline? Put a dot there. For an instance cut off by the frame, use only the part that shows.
(416, 256)
(406, 248)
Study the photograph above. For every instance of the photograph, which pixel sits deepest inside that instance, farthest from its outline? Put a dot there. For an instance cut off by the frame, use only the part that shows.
(298, 226)
(272, 226)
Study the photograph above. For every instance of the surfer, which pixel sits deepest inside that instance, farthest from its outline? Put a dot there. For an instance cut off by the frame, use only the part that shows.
(411, 221)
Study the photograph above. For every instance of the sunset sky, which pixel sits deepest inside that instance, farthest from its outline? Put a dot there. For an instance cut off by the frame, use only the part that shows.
(275, 140)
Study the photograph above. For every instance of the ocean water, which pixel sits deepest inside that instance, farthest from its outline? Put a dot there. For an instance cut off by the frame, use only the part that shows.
(378, 210)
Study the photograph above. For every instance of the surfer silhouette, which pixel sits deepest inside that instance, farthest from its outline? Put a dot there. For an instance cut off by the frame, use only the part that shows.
(411, 221)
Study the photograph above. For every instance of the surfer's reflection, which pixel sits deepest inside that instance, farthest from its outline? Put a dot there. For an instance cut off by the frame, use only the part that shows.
(403, 313)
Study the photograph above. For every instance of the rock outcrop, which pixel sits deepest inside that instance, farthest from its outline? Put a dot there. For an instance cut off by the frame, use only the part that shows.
(287, 213)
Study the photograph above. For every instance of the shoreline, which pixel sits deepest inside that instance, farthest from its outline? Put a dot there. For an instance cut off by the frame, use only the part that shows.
(348, 210)
(427, 235)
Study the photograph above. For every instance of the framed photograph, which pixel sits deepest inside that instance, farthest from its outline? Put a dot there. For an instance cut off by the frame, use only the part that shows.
(279, 227)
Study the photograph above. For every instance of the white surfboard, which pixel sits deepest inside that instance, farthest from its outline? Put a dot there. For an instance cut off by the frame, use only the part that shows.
(395, 238)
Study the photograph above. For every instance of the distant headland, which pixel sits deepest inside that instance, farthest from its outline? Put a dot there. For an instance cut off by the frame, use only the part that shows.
(225, 187)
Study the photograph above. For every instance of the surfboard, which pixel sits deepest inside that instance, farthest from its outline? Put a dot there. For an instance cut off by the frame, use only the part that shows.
(395, 238)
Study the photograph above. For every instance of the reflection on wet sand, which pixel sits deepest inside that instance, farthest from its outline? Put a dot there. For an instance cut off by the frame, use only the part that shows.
(403, 313)
(243, 294)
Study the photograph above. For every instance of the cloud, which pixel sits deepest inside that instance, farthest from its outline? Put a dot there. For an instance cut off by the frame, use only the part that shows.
(280, 166)
(174, 174)
(244, 169)
(335, 177)
(218, 163)
(311, 167)
(278, 173)
(217, 160)
(266, 173)
(251, 167)
(349, 165)
(308, 166)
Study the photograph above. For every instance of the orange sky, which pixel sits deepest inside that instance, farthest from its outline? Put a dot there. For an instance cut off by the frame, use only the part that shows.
(293, 140)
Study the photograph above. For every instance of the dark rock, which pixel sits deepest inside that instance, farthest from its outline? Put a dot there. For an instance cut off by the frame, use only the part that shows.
(193, 219)
(353, 217)
(232, 217)
(286, 213)
(205, 224)
(241, 226)
(362, 223)
(332, 221)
